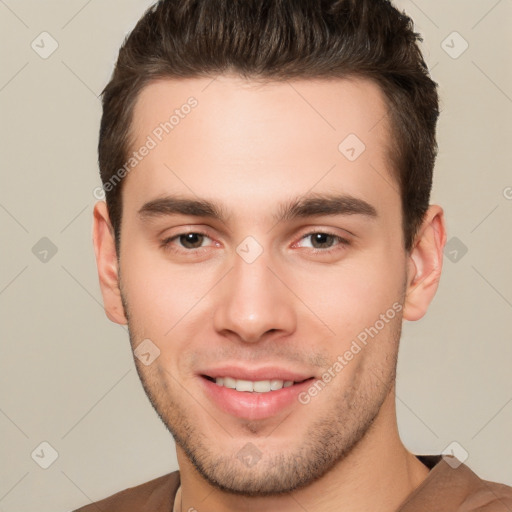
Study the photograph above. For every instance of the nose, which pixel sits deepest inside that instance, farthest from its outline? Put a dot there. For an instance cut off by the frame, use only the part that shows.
(253, 303)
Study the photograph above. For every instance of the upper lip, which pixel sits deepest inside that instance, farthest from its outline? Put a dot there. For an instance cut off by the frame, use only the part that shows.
(256, 374)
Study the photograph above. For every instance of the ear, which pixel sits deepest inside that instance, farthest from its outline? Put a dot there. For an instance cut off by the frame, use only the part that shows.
(425, 262)
(106, 261)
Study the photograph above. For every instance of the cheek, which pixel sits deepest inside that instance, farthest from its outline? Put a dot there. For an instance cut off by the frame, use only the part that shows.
(157, 295)
(351, 296)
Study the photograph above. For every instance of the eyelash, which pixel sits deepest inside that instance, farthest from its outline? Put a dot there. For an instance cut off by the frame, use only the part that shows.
(167, 243)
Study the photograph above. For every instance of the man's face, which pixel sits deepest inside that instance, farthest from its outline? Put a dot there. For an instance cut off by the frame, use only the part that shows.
(255, 291)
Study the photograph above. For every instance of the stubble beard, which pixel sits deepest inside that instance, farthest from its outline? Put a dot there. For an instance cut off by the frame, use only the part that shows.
(325, 443)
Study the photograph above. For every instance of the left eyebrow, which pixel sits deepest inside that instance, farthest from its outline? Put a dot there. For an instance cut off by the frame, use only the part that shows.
(310, 205)
(324, 204)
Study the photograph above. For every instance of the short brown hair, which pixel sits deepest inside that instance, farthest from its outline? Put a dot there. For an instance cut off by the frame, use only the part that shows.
(281, 40)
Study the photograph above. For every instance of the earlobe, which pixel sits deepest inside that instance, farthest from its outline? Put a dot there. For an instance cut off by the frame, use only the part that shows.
(425, 264)
(107, 264)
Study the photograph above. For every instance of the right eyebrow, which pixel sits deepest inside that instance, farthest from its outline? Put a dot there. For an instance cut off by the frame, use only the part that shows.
(173, 205)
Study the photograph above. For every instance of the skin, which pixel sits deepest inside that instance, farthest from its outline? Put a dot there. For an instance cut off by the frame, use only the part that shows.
(250, 147)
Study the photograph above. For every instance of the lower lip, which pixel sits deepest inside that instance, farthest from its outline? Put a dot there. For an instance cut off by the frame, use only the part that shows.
(252, 405)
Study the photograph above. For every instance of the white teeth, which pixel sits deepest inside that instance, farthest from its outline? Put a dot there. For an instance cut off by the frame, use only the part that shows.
(260, 386)
(263, 386)
(228, 382)
(244, 385)
(276, 384)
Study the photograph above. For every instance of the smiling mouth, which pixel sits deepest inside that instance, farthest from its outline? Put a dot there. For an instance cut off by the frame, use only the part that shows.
(250, 386)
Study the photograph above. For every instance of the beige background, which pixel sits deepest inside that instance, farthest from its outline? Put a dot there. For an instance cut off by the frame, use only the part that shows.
(67, 374)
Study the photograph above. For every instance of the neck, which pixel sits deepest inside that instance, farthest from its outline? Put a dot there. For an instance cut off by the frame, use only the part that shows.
(378, 475)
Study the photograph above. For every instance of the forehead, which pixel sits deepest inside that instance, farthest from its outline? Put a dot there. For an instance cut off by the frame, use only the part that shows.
(229, 137)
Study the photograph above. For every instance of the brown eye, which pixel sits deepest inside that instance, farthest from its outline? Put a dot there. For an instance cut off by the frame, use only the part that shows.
(191, 240)
(322, 240)
(184, 243)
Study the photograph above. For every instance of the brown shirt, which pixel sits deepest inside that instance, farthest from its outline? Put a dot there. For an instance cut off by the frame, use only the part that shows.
(446, 489)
